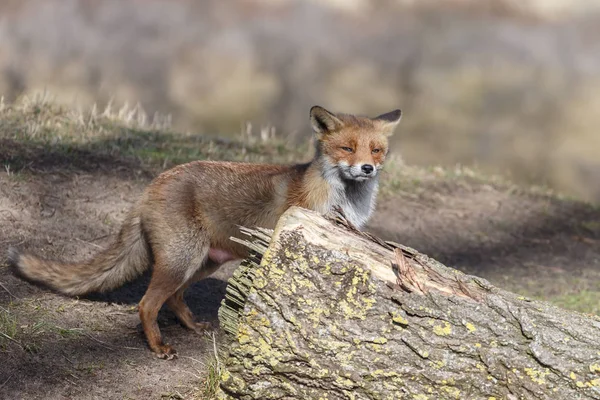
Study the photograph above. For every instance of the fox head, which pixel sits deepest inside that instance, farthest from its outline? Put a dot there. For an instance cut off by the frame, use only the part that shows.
(353, 146)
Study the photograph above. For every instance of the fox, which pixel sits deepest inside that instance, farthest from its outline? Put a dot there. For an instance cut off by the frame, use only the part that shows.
(181, 225)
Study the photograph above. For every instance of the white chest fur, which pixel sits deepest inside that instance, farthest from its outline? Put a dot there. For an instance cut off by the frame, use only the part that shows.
(355, 198)
(359, 202)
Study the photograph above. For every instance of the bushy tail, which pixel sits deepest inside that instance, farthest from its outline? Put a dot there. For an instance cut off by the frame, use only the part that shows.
(124, 260)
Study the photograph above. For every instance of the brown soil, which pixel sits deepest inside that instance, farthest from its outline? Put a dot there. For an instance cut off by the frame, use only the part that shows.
(528, 243)
(93, 348)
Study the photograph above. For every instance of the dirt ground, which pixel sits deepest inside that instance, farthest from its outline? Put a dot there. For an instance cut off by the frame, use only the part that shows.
(93, 347)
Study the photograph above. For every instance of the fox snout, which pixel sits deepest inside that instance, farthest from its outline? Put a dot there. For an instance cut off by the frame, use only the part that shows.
(367, 169)
(358, 172)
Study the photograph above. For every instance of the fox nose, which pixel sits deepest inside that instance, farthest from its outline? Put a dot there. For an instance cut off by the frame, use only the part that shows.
(367, 168)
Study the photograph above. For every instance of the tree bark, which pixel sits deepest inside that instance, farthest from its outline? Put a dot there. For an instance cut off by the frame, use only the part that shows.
(333, 313)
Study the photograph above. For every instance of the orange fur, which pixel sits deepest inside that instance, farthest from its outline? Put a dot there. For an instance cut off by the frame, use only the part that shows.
(185, 218)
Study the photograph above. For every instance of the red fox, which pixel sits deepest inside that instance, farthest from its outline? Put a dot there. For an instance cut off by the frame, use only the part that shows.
(183, 221)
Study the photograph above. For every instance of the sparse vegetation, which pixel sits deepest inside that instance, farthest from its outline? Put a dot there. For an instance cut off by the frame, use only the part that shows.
(212, 380)
(126, 133)
(8, 328)
(585, 301)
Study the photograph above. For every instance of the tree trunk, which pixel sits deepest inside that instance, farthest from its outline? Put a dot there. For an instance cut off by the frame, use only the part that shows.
(332, 313)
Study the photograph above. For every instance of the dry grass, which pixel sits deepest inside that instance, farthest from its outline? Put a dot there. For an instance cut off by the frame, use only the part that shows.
(128, 132)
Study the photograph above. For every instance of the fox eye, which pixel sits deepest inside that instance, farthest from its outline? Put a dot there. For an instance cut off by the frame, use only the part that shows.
(375, 151)
(348, 149)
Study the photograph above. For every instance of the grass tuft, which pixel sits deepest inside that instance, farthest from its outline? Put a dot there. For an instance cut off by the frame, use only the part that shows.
(213, 378)
(8, 328)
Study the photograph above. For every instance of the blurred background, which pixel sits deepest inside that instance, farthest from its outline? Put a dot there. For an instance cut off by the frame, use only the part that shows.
(509, 86)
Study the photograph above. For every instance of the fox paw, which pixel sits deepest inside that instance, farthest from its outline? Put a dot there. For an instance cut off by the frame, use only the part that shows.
(166, 352)
(201, 327)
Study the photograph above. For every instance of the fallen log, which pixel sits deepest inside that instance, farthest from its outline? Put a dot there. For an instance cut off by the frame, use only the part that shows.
(322, 311)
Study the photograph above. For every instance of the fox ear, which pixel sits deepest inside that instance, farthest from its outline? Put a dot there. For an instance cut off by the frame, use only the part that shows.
(389, 121)
(323, 122)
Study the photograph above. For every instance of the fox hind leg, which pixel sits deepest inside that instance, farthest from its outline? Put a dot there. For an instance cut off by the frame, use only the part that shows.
(184, 314)
(173, 269)
(160, 289)
(177, 304)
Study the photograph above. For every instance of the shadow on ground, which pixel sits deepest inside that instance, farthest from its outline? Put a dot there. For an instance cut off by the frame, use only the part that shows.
(203, 297)
(105, 353)
(534, 244)
(537, 236)
(126, 153)
(40, 158)
(104, 365)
